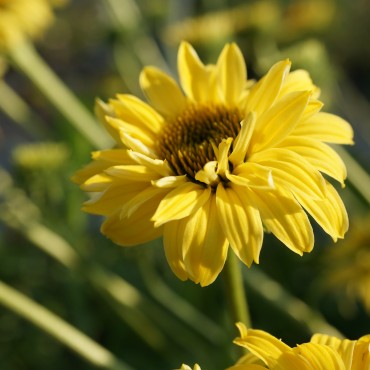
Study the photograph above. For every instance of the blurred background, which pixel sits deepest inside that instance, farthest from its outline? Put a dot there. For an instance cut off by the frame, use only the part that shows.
(128, 300)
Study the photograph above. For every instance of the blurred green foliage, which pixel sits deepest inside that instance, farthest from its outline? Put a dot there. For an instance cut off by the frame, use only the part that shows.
(98, 49)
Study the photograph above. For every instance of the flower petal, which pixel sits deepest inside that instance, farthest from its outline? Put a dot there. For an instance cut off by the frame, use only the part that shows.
(204, 244)
(162, 91)
(102, 111)
(142, 197)
(262, 344)
(140, 114)
(319, 155)
(333, 211)
(194, 76)
(145, 136)
(112, 199)
(232, 73)
(285, 218)
(133, 230)
(241, 143)
(130, 173)
(223, 156)
(170, 181)
(240, 222)
(299, 80)
(320, 357)
(181, 202)
(292, 172)
(278, 122)
(252, 175)
(264, 93)
(173, 233)
(325, 127)
(157, 165)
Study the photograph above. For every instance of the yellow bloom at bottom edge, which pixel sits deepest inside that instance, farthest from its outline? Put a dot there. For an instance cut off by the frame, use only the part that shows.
(323, 352)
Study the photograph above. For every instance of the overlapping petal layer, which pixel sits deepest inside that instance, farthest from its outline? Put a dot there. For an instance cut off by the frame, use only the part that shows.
(323, 352)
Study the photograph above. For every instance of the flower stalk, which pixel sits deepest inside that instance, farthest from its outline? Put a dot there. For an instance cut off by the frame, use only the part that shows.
(233, 278)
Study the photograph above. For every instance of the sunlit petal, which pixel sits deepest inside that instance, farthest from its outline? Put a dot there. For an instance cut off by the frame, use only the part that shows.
(232, 73)
(264, 93)
(240, 222)
(181, 202)
(162, 91)
(325, 127)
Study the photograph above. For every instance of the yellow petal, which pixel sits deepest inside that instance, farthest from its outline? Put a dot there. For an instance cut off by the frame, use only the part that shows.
(279, 121)
(132, 173)
(241, 223)
(112, 199)
(232, 73)
(173, 232)
(299, 80)
(147, 137)
(194, 76)
(204, 244)
(319, 155)
(139, 113)
(320, 357)
(97, 183)
(314, 106)
(223, 156)
(241, 143)
(137, 145)
(252, 175)
(113, 156)
(292, 172)
(133, 230)
(162, 91)
(156, 165)
(181, 202)
(264, 93)
(170, 181)
(141, 197)
(208, 175)
(262, 344)
(102, 111)
(285, 218)
(345, 347)
(325, 127)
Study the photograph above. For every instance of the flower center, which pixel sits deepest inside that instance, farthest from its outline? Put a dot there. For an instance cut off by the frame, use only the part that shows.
(187, 141)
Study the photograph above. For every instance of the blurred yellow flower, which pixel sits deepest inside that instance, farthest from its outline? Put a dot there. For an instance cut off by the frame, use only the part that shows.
(23, 18)
(347, 269)
(216, 163)
(323, 352)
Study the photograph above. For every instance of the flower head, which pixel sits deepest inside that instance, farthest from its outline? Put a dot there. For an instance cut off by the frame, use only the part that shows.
(215, 163)
(23, 18)
(323, 352)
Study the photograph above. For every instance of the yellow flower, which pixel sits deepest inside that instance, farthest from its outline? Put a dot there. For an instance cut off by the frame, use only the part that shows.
(323, 352)
(23, 18)
(186, 367)
(215, 163)
(346, 269)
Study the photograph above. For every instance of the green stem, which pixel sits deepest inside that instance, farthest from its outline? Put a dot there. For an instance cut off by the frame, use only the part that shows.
(59, 329)
(235, 290)
(32, 65)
